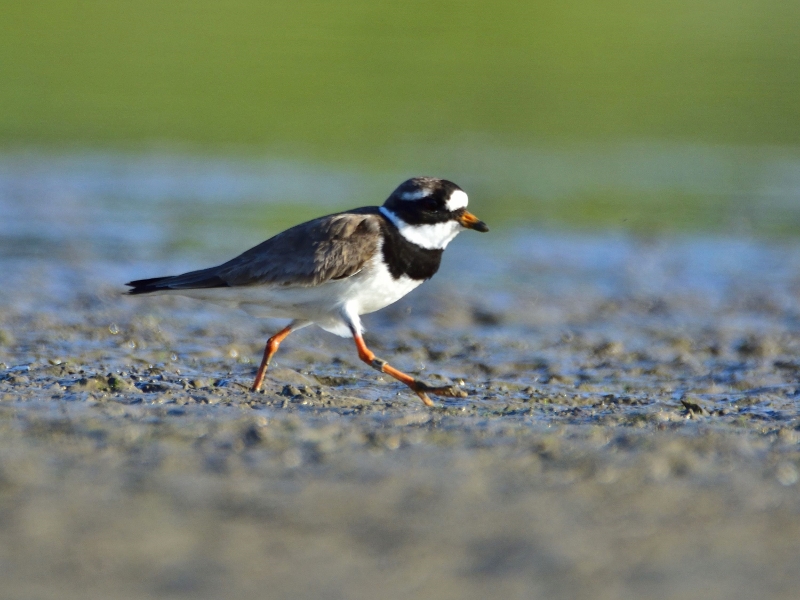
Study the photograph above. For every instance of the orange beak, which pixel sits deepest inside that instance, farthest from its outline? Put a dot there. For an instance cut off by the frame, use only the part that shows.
(470, 221)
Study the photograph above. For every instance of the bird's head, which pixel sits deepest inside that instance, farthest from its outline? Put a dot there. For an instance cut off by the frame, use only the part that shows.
(430, 212)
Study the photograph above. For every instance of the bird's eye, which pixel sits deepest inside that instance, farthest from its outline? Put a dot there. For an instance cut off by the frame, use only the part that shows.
(430, 204)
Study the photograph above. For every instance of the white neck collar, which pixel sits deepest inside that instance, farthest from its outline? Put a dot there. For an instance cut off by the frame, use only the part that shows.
(434, 236)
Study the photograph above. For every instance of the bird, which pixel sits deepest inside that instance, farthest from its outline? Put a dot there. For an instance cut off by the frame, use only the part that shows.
(331, 270)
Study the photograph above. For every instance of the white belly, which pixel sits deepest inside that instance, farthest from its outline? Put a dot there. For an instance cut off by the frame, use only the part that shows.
(369, 290)
(374, 288)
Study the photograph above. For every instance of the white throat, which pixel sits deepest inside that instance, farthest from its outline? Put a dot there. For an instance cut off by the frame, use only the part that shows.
(434, 236)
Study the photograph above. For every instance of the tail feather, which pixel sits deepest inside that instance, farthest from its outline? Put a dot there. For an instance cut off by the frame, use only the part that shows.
(195, 280)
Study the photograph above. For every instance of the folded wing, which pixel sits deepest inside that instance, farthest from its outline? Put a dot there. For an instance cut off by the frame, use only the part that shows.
(328, 248)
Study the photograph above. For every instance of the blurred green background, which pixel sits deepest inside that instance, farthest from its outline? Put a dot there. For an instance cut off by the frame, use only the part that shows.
(644, 115)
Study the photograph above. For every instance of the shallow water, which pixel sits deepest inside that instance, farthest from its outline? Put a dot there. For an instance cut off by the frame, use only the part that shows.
(519, 316)
(631, 428)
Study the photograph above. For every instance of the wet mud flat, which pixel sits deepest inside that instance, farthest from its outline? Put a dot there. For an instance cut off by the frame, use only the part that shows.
(631, 431)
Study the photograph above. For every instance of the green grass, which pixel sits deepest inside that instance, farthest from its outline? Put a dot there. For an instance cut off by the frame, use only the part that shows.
(370, 84)
(345, 80)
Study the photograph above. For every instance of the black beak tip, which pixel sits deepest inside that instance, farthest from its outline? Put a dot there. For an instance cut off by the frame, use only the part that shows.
(481, 226)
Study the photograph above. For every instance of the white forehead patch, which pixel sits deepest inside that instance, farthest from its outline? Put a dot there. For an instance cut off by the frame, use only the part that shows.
(414, 195)
(457, 199)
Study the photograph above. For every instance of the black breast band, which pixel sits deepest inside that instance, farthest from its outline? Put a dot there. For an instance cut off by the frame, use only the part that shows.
(406, 258)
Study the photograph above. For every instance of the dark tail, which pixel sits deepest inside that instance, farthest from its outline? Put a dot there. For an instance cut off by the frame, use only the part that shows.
(195, 280)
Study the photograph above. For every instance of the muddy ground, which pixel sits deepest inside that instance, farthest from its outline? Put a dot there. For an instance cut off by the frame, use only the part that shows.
(632, 431)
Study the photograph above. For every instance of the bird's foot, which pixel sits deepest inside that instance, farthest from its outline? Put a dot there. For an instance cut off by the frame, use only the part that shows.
(449, 391)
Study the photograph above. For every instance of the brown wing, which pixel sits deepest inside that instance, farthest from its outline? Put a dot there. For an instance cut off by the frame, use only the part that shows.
(332, 247)
(327, 248)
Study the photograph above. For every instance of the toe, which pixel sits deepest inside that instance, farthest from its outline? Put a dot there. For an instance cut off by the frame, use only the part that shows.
(424, 397)
(450, 391)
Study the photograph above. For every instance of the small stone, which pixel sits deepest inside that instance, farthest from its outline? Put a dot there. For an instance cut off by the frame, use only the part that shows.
(118, 384)
(150, 387)
(92, 384)
(482, 316)
(608, 349)
(755, 346)
(693, 408)
(786, 474)
(252, 436)
(289, 391)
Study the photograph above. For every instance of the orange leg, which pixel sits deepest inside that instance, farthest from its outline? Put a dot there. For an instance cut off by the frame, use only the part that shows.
(271, 348)
(420, 388)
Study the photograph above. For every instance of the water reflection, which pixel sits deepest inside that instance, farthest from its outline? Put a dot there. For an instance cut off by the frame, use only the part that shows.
(509, 312)
(160, 204)
(114, 217)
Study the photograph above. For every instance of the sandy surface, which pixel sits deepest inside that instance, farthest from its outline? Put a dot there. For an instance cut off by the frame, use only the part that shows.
(631, 432)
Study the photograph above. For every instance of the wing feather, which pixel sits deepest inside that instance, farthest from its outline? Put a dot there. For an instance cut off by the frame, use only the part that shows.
(328, 248)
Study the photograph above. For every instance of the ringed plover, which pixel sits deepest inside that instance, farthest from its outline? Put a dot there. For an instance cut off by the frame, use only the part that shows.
(333, 269)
